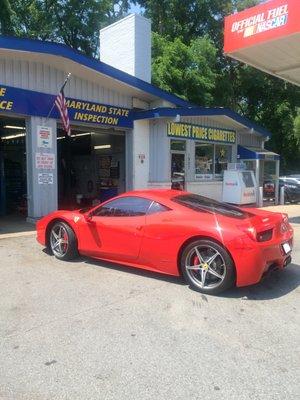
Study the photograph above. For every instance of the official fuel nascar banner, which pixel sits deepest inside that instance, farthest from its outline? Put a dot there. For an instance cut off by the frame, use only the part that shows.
(271, 20)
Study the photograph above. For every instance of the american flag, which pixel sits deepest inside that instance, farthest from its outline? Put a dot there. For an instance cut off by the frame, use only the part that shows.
(61, 104)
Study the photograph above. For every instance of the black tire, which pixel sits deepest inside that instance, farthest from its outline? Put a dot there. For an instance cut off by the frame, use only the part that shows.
(208, 249)
(69, 245)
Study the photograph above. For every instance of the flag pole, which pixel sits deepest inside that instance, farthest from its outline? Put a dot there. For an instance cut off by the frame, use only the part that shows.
(63, 86)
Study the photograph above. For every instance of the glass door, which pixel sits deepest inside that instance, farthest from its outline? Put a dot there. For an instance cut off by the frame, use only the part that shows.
(178, 170)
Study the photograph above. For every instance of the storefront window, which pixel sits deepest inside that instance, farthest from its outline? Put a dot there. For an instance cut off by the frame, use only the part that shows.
(269, 169)
(178, 145)
(211, 160)
(222, 158)
(204, 155)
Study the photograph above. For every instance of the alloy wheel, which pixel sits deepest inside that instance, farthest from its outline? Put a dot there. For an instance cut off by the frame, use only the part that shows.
(59, 240)
(205, 266)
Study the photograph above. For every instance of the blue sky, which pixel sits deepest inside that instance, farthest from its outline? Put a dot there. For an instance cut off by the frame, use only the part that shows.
(135, 9)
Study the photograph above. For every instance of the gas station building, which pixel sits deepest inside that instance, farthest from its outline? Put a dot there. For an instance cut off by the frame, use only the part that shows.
(126, 133)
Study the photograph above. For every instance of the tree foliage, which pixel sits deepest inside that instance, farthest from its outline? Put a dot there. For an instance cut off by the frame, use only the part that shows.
(73, 22)
(6, 18)
(186, 70)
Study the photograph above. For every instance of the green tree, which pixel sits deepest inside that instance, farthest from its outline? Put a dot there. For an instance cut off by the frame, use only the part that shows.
(6, 18)
(186, 70)
(297, 127)
(72, 22)
(187, 19)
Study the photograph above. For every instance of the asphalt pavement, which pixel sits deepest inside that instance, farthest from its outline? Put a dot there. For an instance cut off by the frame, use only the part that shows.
(90, 330)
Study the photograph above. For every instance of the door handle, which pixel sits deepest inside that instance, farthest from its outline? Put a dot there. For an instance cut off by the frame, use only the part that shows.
(139, 227)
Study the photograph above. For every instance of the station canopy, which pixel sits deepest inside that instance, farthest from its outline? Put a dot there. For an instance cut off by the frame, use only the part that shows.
(267, 37)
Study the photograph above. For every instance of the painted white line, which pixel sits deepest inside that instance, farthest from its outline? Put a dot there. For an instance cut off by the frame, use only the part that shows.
(16, 234)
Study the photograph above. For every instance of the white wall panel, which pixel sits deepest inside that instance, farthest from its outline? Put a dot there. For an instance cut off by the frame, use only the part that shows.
(160, 160)
(248, 139)
(206, 121)
(41, 77)
(140, 144)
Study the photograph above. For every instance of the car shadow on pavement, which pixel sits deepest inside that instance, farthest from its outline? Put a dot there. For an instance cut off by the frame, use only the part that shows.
(272, 286)
(133, 271)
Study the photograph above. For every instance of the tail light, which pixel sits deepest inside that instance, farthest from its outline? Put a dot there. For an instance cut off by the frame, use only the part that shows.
(262, 236)
(284, 225)
(265, 235)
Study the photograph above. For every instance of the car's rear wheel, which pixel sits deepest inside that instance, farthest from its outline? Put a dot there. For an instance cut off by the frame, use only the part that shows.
(207, 267)
(62, 241)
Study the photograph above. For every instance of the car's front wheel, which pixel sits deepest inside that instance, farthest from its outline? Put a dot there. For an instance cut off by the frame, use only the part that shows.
(207, 267)
(62, 241)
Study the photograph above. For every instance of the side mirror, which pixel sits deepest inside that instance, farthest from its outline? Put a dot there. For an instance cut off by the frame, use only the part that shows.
(88, 217)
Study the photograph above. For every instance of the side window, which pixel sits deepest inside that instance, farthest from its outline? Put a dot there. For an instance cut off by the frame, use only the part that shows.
(124, 207)
(156, 208)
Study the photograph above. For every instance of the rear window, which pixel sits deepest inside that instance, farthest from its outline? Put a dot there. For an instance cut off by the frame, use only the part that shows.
(204, 204)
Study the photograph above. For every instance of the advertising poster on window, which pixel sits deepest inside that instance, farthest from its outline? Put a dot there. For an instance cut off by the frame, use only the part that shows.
(44, 137)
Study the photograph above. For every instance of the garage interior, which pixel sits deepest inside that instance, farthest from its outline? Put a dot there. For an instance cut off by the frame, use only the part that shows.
(13, 185)
(91, 166)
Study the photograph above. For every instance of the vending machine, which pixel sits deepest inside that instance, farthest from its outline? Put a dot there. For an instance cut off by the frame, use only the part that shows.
(239, 187)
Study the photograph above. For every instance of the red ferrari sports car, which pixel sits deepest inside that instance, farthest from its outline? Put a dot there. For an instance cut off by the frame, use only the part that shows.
(212, 244)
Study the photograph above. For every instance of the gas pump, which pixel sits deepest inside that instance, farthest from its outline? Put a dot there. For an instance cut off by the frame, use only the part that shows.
(239, 186)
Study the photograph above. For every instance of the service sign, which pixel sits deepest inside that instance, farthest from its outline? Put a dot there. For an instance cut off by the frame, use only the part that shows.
(201, 133)
(45, 161)
(29, 102)
(271, 20)
(44, 137)
(45, 178)
(95, 113)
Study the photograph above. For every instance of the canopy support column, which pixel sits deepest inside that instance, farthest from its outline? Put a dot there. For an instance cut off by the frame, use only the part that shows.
(277, 182)
(258, 200)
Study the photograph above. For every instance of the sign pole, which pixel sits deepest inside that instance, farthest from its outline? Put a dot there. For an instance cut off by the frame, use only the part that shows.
(53, 105)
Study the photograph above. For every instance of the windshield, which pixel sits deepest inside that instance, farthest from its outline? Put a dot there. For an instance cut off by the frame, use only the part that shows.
(204, 204)
(86, 209)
